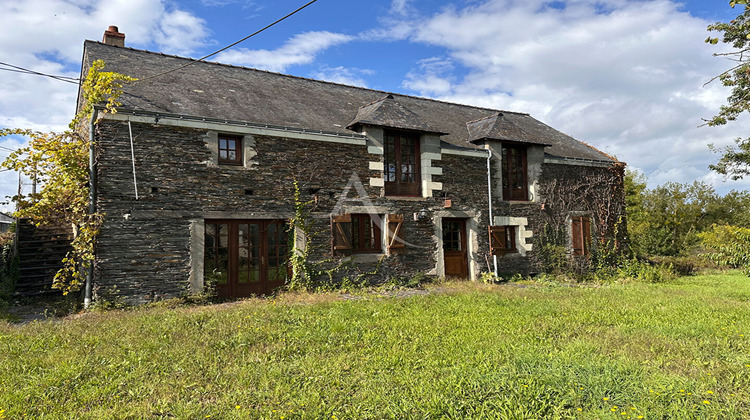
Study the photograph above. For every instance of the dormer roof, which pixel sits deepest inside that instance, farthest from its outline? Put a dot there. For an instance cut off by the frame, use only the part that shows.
(388, 112)
(500, 127)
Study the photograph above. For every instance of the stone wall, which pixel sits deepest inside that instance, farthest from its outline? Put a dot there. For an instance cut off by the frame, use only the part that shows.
(144, 250)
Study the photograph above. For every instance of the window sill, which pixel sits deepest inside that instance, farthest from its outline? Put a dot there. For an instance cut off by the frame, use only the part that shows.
(364, 258)
(406, 197)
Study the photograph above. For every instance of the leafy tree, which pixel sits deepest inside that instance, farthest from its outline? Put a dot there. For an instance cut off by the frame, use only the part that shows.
(668, 219)
(730, 246)
(59, 162)
(638, 224)
(735, 162)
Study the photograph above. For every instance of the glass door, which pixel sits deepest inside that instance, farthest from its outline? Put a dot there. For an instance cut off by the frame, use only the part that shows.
(245, 257)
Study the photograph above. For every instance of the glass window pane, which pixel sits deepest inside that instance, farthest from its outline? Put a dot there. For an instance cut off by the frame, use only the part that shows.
(216, 255)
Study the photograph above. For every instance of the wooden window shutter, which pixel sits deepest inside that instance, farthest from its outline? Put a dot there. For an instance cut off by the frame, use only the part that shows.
(586, 225)
(581, 231)
(497, 240)
(341, 232)
(395, 231)
(502, 240)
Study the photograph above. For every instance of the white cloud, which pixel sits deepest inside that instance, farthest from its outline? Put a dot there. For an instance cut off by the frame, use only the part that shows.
(47, 36)
(432, 78)
(343, 75)
(625, 76)
(180, 32)
(300, 49)
(402, 8)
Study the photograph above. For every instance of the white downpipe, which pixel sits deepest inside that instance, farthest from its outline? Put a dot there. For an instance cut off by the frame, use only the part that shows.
(489, 201)
(132, 158)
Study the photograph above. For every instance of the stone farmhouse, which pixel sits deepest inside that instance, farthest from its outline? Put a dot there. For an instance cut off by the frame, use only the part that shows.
(196, 176)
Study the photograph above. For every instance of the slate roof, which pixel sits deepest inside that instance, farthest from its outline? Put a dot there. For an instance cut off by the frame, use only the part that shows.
(213, 90)
(498, 127)
(386, 112)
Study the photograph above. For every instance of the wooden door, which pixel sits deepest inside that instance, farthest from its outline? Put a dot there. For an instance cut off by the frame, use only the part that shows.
(454, 248)
(245, 257)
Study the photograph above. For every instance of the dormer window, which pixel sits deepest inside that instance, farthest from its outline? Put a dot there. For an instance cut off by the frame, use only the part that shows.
(515, 184)
(230, 150)
(401, 169)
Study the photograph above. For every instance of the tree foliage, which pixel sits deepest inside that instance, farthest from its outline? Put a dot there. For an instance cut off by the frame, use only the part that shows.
(735, 162)
(667, 220)
(730, 245)
(59, 163)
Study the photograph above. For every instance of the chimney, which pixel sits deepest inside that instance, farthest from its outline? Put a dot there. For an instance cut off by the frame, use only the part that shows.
(113, 37)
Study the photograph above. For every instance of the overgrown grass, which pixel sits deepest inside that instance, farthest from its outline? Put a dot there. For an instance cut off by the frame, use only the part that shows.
(676, 350)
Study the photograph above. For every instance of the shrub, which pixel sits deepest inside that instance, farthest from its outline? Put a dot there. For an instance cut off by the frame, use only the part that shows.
(642, 271)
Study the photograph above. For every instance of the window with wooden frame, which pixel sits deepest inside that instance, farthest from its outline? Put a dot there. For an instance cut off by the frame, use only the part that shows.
(515, 183)
(581, 235)
(355, 233)
(230, 150)
(401, 166)
(502, 240)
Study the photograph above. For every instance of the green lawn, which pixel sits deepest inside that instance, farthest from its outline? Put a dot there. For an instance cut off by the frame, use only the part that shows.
(678, 350)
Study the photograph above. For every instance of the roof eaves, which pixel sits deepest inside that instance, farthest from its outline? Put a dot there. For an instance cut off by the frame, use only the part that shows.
(158, 115)
(508, 140)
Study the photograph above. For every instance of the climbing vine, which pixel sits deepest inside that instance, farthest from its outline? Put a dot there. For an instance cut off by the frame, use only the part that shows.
(597, 193)
(300, 242)
(58, 162)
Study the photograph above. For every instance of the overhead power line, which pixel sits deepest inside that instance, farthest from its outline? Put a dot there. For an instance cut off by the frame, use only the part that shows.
(74, 80)
(228, 46)
(22, 70)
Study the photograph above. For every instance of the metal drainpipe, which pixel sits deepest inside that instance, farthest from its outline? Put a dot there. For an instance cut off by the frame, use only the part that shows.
(489, 200)
(92, 206)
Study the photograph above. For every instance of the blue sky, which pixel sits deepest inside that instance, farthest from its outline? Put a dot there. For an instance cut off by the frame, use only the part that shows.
(624, 76)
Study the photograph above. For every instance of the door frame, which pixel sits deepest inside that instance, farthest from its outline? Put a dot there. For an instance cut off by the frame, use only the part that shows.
(464, 245)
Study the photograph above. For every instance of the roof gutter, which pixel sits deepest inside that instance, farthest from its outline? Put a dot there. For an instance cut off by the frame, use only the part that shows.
(92, 205)
(157, 116)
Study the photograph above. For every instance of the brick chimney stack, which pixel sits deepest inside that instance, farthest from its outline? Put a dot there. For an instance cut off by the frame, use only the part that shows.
(113, 37)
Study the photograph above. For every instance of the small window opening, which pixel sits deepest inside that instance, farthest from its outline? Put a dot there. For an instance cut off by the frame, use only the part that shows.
(230, 150)
(249, 192)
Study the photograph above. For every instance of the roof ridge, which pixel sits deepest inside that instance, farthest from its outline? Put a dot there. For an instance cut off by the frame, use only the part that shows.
(311, 80)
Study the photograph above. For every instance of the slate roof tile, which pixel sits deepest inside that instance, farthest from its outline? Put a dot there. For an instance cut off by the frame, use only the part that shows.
(213, 90)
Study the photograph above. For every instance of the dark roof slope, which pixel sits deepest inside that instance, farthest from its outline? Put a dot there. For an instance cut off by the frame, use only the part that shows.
(498, 127)
(212, 90)
(386, 112)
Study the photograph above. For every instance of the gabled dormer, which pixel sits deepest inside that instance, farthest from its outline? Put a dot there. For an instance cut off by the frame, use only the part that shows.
(518, 153)
(408, 146)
